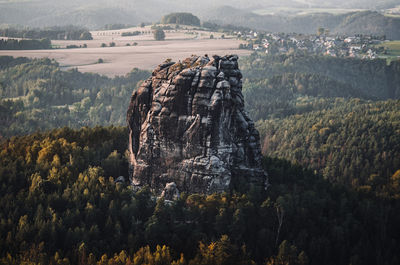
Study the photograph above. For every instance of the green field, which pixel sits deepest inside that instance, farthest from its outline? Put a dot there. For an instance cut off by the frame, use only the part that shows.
(393, 46)
(393, 50)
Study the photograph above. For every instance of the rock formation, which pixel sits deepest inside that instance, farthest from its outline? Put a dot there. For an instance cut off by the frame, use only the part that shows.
(189, 130)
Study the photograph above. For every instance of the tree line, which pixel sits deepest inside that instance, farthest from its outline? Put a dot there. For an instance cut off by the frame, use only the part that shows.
(53, 33)
(14, 44)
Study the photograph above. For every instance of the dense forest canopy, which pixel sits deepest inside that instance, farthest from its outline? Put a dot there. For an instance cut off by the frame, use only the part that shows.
(353, 142)
(62, 204)
(37, 94)
(327, 113)
(323, 76)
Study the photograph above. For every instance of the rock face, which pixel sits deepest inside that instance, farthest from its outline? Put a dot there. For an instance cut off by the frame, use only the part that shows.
(189, 130)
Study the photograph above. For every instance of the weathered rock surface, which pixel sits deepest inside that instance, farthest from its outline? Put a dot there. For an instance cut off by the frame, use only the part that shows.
(189, 130)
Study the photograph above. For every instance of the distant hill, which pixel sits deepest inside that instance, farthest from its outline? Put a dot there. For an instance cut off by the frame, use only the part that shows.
(365, 22)
(369, 4)
(94, 14)
(91, 14)
(369, 22)
(33, 15)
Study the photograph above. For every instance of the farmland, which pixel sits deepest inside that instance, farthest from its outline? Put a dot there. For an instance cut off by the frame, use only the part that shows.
(143, 51)
(393, 47)
(392, 50)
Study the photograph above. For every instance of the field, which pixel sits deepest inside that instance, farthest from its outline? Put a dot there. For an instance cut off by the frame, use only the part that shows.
(393, 50)
(147, 54)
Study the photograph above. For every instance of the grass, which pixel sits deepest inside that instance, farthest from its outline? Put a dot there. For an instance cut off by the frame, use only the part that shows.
(393, 50)
(392, 46)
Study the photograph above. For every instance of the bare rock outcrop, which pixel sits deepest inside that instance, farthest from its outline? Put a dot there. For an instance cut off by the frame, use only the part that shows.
(189, 131)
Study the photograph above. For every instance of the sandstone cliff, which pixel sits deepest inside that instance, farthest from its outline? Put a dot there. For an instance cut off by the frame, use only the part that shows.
(188, 126)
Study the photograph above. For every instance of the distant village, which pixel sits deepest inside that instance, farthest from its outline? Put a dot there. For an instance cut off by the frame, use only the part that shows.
(359, 46)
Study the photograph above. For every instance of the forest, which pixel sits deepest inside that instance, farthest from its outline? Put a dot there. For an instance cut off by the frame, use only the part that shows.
(52, 33)
(336, 116)
(309, 109)
(354, 142)
(14, 44)
(62, 204)
(331, 138)
(274, 85)
(37, 94)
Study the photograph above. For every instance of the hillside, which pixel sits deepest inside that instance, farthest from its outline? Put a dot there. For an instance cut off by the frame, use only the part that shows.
(353, 142)
(61, 204)
(90, 14)
(37, 94)
(327, 114)
(273, 82)
(366, 22)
